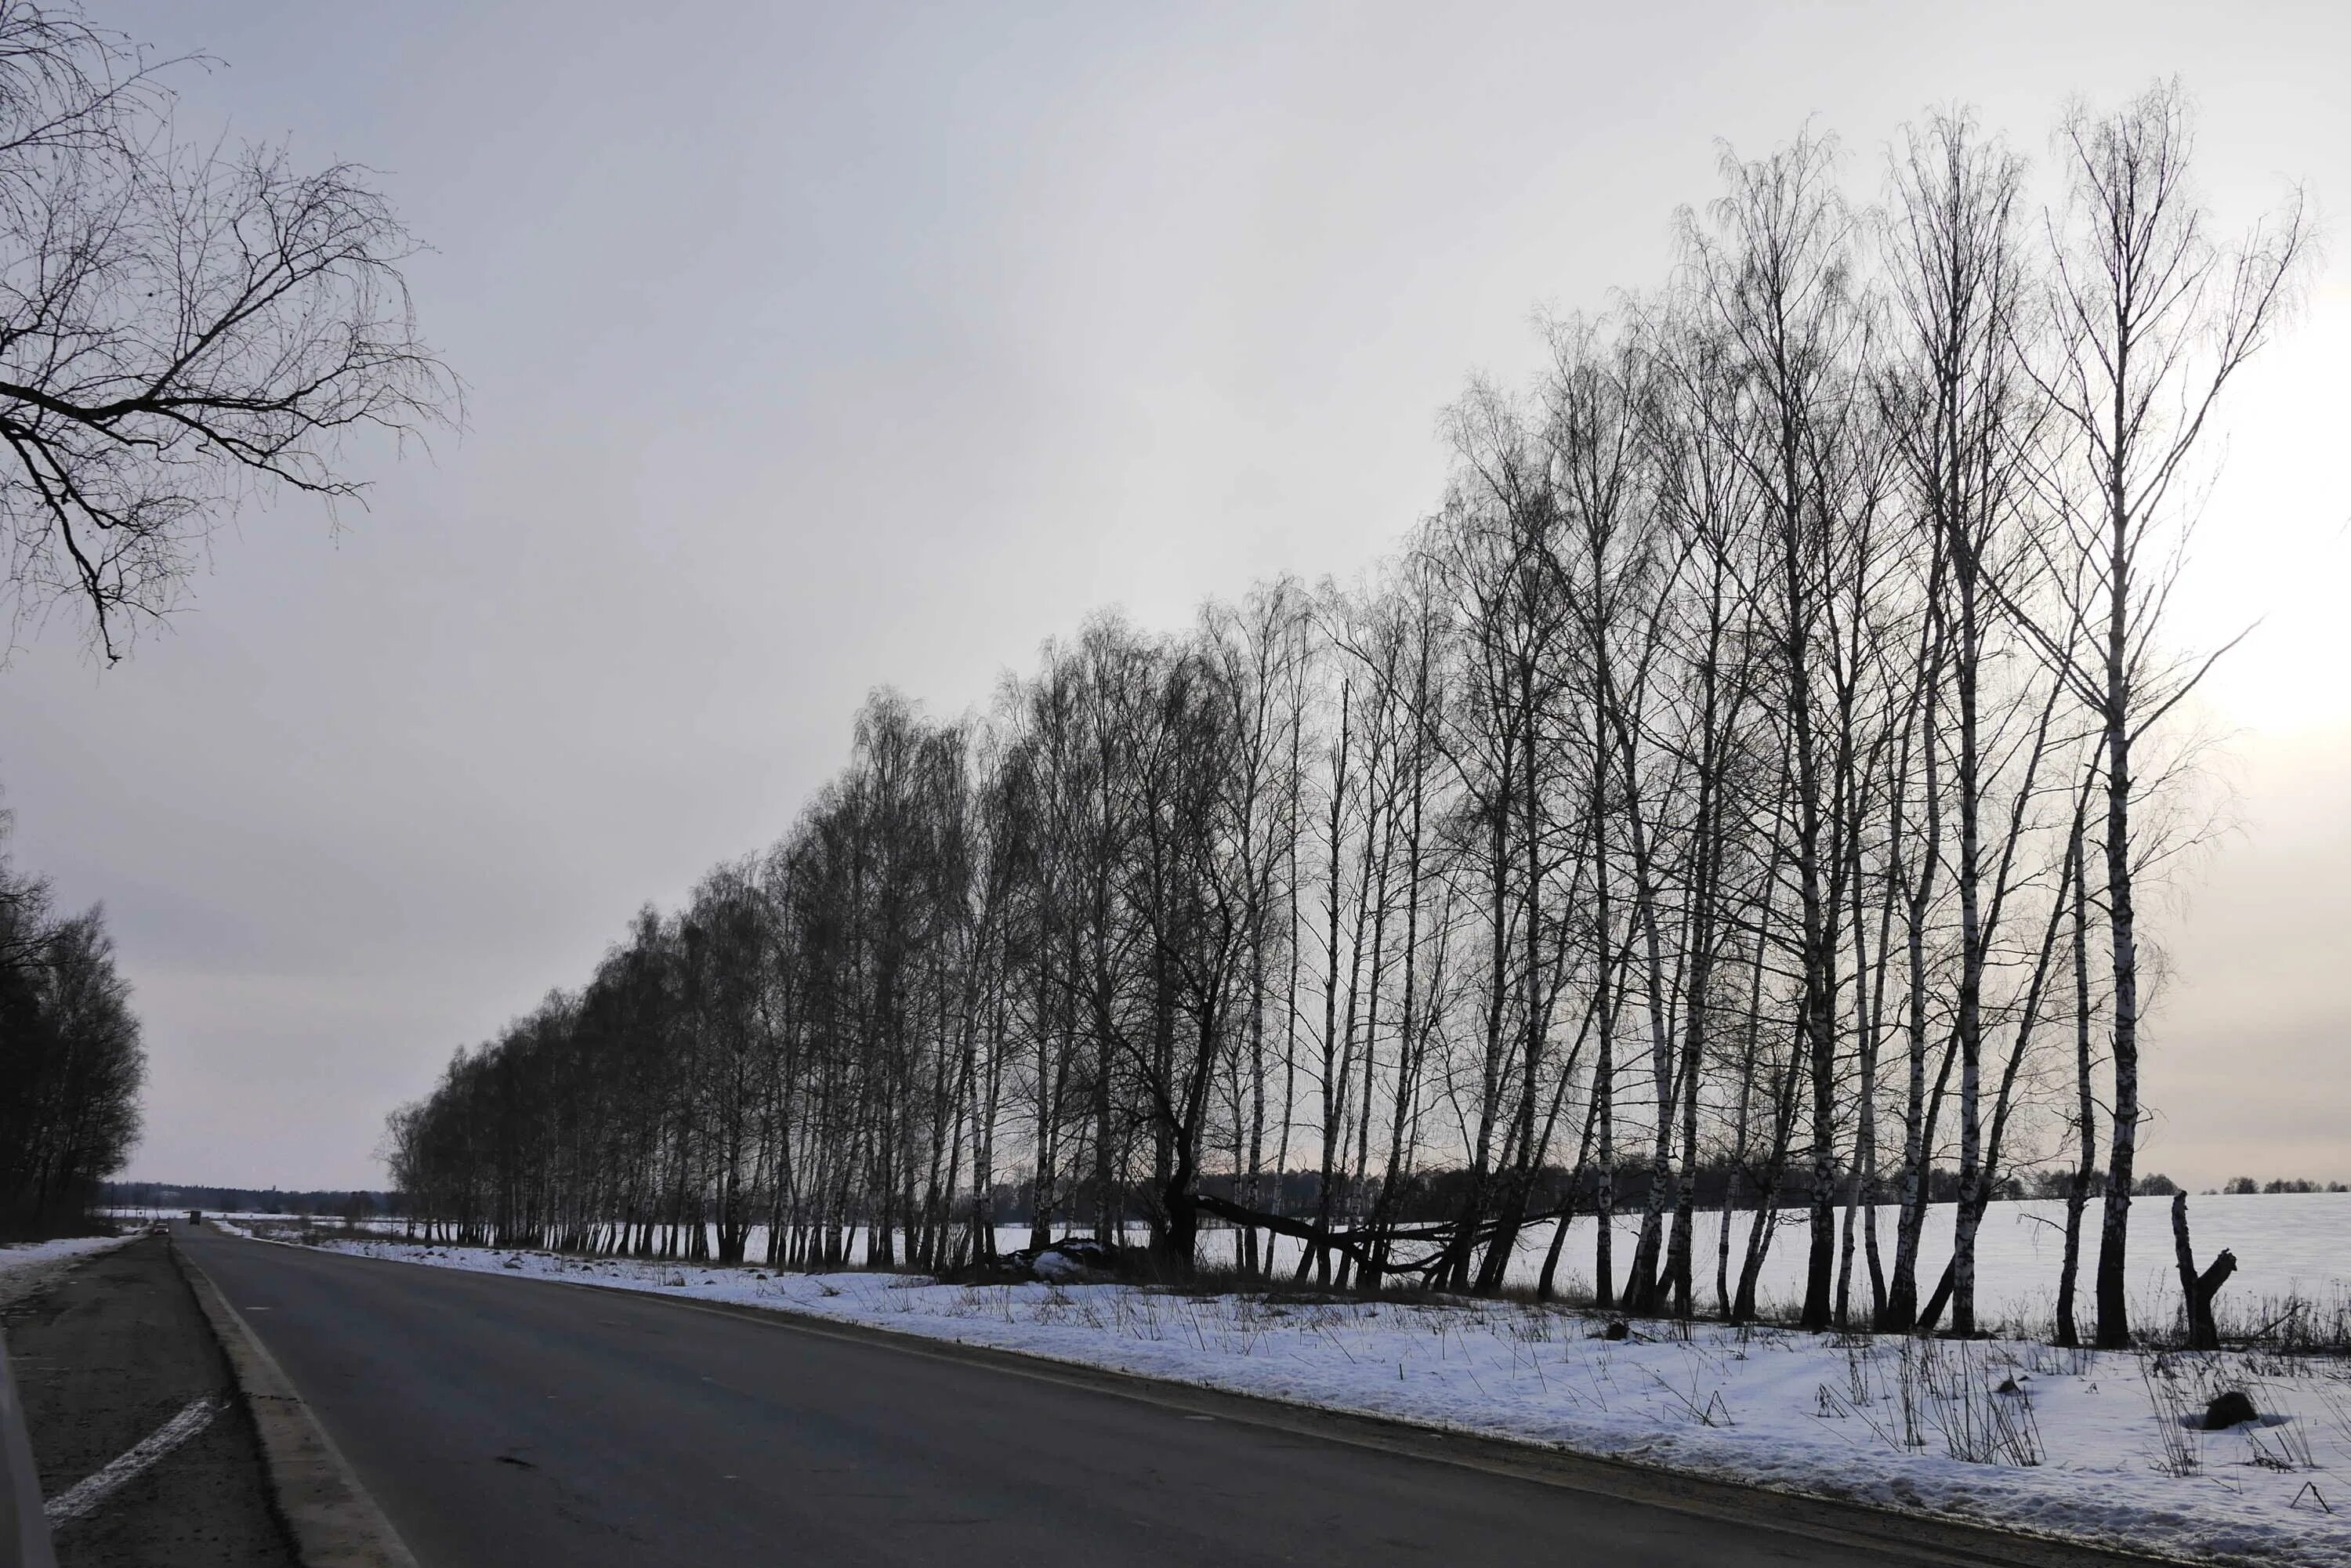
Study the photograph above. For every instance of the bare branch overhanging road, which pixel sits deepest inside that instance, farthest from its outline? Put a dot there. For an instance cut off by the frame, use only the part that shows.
(512, 1423)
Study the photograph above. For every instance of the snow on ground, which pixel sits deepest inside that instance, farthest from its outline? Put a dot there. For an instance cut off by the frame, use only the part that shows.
(2288, 1245)
(26, 1266)
(1901, 1423)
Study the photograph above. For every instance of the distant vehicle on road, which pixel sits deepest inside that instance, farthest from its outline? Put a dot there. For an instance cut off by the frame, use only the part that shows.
(195, 1216)
(161, 1227)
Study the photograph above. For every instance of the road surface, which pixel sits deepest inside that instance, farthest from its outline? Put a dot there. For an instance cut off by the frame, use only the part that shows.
(511, 1422)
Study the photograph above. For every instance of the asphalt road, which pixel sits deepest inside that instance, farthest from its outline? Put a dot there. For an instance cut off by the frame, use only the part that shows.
(514, 1422)
(103, 1359)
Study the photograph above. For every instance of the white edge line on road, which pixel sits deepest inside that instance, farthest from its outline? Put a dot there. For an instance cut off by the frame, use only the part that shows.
(84, 1496)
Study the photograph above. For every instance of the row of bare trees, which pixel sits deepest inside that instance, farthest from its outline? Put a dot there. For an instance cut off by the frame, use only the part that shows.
(1742, 786)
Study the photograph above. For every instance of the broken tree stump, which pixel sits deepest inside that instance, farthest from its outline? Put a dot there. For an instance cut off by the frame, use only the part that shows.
(2198, 1290)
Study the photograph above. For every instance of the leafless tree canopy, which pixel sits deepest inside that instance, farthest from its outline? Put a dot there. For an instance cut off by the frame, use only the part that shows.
(182, 328)
(1732, 798)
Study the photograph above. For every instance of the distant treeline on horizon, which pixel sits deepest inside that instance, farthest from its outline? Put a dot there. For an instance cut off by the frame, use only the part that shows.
(258, 1200)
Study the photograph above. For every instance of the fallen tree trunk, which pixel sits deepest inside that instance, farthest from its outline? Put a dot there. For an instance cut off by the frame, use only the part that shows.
(1365, 1243)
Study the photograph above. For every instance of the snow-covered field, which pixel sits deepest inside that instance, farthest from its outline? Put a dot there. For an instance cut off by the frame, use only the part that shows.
(2296, 1244)
(2090, 1445)
(2287, 1245)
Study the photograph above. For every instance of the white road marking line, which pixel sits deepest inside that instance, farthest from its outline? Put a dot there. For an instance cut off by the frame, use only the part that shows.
(85, 1496)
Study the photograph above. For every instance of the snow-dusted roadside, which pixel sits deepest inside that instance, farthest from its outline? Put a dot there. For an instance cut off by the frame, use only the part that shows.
(1876, 1421)
(27, 1266)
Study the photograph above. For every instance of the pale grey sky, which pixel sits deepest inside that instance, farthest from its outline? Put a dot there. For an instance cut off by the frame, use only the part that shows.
(814, 347)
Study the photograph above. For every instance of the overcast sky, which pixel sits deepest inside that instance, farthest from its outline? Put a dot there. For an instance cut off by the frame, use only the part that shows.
(811, 349)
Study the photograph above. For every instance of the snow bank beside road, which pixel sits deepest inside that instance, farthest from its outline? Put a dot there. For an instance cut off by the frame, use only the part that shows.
(1879, 1421)
(26, 1266)
(19, 1257)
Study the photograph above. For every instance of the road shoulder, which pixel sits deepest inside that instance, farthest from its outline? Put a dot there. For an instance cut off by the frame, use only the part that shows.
(106, 1358)
(334, 1522)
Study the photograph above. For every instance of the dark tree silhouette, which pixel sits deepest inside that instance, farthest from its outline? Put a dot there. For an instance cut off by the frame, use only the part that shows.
(71, 1063)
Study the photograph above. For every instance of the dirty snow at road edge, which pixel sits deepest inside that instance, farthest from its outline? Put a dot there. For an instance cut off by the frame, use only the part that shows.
(26, 1266)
